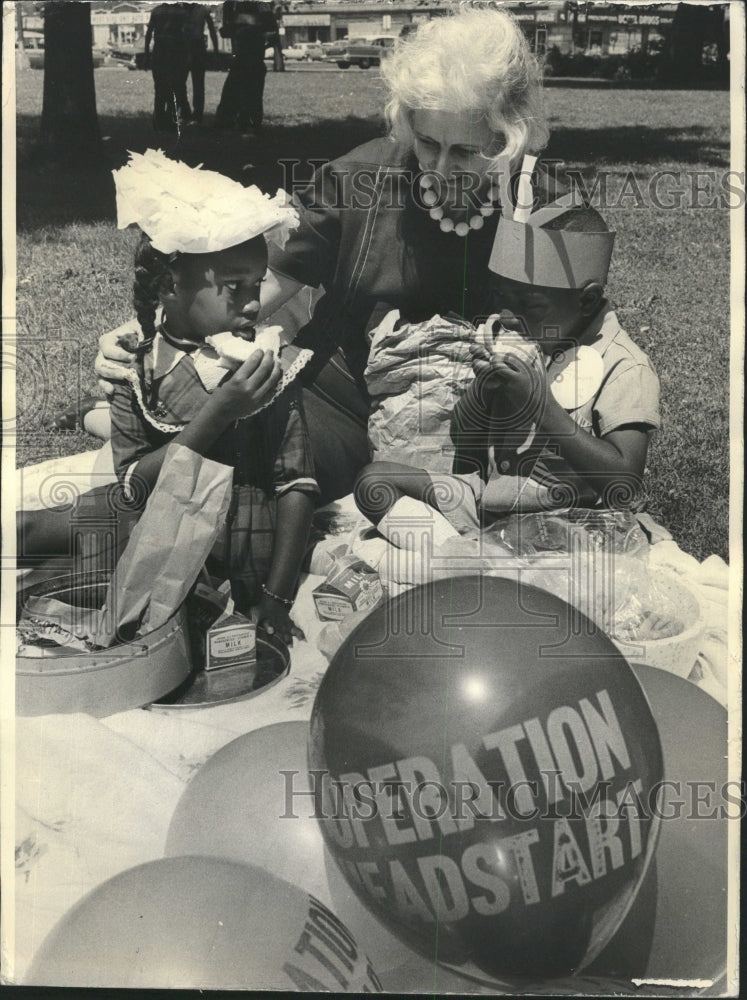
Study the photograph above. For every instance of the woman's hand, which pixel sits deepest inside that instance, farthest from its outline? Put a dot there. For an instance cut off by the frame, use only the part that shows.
(116, 355)
(249, 387)
(274, 618)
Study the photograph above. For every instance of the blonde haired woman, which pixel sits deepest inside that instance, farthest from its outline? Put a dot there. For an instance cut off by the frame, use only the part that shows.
(405, 221)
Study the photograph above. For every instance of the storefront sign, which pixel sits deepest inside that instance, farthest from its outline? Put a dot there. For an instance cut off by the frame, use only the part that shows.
(123, 17)
(612, 18)
(307, 20)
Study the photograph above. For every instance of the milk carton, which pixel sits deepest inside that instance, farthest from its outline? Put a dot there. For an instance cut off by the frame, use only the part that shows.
(351, 585)
(223, 637)
(231, 642)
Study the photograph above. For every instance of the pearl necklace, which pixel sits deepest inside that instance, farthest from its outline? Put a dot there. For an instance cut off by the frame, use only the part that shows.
(448, 225)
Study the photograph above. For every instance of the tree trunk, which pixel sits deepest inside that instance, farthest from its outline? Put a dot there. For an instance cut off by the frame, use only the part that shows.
(682, 58)
(19, 26)
(69, 122)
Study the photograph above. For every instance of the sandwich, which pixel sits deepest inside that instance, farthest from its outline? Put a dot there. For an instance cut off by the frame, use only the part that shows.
(233, 350)
(496, 339)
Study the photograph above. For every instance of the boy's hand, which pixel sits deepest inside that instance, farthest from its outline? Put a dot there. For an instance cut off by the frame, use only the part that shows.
(480, 358)
(249, 387)
(275, 619)
(523, 382)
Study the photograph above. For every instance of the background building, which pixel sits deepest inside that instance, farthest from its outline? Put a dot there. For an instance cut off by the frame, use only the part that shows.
(598, 29)
(119, 25)
(593, 28)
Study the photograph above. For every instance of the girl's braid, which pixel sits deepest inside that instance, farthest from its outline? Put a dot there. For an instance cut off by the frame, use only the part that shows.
(151, 276)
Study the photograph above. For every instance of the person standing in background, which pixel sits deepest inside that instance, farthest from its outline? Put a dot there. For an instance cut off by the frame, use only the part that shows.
(246, 23)
(197, 19)
(275, 40)
(169, 64)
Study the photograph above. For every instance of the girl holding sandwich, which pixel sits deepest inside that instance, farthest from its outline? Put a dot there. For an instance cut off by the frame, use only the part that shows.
(207, 379)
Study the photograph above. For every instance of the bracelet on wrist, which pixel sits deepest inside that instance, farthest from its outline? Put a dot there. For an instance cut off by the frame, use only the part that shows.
(276, 597)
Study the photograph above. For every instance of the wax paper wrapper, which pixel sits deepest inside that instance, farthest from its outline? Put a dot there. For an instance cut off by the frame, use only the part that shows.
(48, 627)
(170, 543)
(597, 561)
(415, 374)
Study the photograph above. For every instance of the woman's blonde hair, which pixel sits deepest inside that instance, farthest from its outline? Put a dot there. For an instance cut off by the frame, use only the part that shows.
(471, 60)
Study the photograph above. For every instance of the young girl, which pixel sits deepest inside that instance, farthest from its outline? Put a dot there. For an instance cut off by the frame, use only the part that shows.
(202, 258)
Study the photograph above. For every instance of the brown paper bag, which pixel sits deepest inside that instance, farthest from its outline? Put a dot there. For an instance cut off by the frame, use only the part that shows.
(170, 543)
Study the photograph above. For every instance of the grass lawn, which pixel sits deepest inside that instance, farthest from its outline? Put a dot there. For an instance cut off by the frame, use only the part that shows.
(669, 278)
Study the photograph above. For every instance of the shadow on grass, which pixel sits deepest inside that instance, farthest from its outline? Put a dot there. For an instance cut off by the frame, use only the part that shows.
(638, 144)
(53, 194)
(50, 195)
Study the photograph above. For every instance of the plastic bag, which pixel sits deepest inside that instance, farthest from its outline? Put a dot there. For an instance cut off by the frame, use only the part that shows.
(598, 562)
(615, 531)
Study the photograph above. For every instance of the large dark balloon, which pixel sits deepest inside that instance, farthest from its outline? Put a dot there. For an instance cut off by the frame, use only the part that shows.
(491, 758)
(201, 923)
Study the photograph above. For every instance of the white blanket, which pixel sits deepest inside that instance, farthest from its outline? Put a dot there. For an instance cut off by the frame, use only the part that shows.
(96, 797)
(709, 581)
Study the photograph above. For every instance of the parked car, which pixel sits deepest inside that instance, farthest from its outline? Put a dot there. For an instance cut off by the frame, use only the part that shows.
(335, 51)
(365, 52)
(33, 48)
(304, 51)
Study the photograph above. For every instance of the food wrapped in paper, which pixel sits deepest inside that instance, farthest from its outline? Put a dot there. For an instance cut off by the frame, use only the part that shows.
(170, 543)
(415, 375)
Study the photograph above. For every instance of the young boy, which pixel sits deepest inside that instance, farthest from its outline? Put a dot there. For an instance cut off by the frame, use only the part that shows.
(563, 403)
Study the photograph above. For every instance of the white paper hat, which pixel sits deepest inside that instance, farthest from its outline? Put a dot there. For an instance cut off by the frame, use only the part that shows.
(524, 251)
(190, 210)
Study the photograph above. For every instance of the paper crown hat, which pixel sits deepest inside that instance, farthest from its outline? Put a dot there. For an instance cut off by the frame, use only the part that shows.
(524, 251)
(190, 210)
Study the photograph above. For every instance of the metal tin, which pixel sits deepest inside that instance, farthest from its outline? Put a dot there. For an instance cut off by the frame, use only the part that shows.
(126, 676)
(205, 688)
